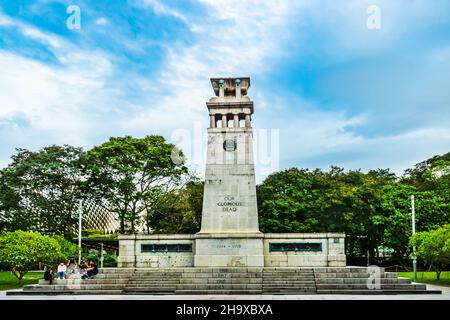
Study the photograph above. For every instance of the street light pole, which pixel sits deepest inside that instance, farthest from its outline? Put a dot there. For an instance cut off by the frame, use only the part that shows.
(413, 232)
(101, 256)
(80, 212)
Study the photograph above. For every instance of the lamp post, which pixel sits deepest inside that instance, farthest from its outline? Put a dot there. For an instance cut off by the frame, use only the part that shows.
(101, 255)
(80, 212)
(413, 232)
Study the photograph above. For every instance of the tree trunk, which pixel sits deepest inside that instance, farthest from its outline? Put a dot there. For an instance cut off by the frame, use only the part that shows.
(438, 272)
(122, 225)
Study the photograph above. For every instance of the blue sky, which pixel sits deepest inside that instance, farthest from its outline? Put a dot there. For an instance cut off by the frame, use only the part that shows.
(337, 92)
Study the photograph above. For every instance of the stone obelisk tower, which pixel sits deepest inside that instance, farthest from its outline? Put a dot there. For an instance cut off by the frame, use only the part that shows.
(229, 234)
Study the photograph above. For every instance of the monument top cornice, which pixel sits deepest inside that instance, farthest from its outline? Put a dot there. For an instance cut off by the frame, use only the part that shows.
(229, 85)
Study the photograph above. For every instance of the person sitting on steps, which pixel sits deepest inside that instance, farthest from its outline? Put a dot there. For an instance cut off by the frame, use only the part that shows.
(71, 265)
(92, 270)
(83, 263)
(48, 275)
(61, 274)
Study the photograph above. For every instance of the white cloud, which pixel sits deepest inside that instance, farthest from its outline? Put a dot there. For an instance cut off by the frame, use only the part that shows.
(228, 43)
(30, 31)
(242, 38)
(81, 101)
(5, 21)
(102, 21)
(54, 100)
(45, 104)
(398, 152)
(161, 9)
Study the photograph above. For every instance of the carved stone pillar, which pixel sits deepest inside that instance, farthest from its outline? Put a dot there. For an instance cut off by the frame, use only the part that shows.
(236, 120)
(212, 121)
(224, 121)
(247, 121)
(237, 82)
(221, 89)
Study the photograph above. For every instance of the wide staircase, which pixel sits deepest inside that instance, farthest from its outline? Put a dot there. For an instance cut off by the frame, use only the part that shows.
(164, 281)
(364, 281)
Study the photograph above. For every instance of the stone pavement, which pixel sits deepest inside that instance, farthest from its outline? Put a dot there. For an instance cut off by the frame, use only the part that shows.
(444, 296)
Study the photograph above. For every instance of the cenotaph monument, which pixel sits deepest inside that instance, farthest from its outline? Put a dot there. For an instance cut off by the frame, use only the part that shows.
(229, 234)
(229, 255)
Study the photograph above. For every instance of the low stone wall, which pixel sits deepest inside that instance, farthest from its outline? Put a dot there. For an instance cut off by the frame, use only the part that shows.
(131, 253)
(229, 250)
(331, 253)
(279, 250)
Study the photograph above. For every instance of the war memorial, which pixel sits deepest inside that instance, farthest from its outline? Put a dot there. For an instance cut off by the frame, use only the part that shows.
(230, 255)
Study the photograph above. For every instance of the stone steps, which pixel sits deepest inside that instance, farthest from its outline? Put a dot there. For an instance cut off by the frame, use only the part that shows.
(288, 287)
(231, 281)
(112, 276)
(366, 287)
(350, 275)
(289, 292)
(375, 292)
(75, 287)
(219, 287)
(146, 289)
(84, 281)
(360, 280)
(289, 277)
(289, 281)
(220, 280)
(219, 292)
(65, 292)
(285, 284)
(220, 275)
(344, 269)
(153, 281)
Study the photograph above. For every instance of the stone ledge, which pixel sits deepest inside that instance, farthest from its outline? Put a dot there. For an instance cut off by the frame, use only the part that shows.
(157, 237)
(240, 235)
(303, 235)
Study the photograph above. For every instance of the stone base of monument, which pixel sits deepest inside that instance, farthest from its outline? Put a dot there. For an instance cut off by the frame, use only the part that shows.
(232, 250)
(237, 280)
(229, 250)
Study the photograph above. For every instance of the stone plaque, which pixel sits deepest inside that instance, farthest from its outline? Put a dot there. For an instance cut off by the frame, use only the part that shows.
(229, 145)
(229, 204)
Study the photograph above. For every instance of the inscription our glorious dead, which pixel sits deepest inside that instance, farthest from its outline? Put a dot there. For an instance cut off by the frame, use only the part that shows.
(229, 204)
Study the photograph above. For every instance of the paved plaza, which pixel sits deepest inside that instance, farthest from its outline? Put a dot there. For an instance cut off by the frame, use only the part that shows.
(444, 296)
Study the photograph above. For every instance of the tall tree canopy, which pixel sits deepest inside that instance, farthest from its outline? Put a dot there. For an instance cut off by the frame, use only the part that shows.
(127, 175)
(299, 200)
(21, 251)
(373, 209)
(433, 247)
(178, 211)
(39, 191)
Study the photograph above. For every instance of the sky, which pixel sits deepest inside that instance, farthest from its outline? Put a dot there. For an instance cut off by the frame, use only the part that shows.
(330, 85)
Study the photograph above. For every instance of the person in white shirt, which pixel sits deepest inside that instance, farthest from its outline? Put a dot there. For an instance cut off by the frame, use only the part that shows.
(61, 274)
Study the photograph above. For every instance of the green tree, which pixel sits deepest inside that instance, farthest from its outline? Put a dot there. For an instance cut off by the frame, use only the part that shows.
(432, 211)
(68, 249)
(299, 200)
(21, 251)
(127, 175)
(178, 211)
(39, 191)
(431, 175)
(433, 247)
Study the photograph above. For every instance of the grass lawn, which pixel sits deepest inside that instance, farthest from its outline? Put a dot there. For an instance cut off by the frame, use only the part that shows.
(428, 277)
(8, 281)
